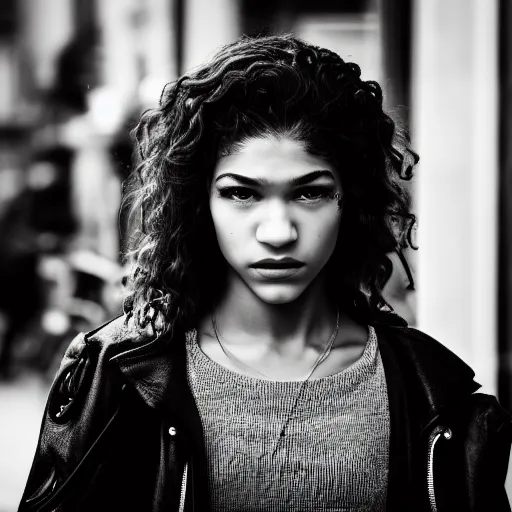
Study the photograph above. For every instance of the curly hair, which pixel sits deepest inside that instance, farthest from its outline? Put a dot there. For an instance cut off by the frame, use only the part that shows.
(260, 86)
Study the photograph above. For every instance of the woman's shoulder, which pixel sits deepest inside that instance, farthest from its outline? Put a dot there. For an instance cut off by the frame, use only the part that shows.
(425, 366)
(419, 347)
(114, 337)
(394, 330)
(120, 332)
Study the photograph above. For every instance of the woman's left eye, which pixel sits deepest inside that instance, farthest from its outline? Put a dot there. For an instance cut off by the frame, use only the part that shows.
(313, 194)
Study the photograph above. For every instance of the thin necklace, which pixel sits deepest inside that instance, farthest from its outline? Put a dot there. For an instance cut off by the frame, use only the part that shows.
(319, 360)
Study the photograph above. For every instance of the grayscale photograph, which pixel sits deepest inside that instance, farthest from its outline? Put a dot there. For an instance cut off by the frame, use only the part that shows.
(255, 255)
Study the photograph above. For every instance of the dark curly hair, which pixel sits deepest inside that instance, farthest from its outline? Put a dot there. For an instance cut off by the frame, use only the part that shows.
(260, 86)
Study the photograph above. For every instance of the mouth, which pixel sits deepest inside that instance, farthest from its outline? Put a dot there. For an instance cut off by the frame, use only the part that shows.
(277, 264)
(277, 268)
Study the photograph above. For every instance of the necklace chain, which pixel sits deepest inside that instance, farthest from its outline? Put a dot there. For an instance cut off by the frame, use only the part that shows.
(319, 360)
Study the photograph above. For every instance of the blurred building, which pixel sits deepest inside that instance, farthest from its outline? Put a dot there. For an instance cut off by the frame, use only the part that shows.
(78, 72)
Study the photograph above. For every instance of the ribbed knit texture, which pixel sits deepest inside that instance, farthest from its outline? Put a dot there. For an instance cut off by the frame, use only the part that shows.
(333, 457)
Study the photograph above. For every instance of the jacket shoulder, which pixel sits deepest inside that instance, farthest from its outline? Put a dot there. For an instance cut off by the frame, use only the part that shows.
(110, 333)
(97, 346)
(424, 350)
(116, 335)
(437, 353)
(429, 369)
(118, 330)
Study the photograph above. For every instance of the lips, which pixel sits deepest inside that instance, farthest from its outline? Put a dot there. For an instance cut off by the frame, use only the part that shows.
(281, 268)
(277, 264)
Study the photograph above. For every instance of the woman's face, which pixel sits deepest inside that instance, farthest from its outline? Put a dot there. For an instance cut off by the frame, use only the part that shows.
(275, 216)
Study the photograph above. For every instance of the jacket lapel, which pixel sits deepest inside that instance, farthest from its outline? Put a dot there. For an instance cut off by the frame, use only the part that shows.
(156, 368)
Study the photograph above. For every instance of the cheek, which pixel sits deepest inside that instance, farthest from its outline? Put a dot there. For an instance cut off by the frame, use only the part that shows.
(220, 217)
(327, 228)
(326, 235)
(228, 229)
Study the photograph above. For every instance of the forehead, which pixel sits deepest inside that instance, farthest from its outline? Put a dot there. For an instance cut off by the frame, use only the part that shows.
(272, 159)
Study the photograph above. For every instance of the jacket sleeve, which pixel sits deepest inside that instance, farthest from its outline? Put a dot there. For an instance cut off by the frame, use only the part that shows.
(43, 477)
(487, 454)
(500, 459)
(82, 403)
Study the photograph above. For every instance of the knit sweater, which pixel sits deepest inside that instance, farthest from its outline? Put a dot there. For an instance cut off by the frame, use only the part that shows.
(333, 456)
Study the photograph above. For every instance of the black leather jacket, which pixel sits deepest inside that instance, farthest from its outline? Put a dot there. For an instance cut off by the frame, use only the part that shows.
(121, 430)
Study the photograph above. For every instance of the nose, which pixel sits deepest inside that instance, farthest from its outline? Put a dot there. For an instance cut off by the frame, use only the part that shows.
(276, 228)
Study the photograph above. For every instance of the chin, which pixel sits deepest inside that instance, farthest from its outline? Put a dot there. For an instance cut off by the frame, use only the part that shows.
(278, 293)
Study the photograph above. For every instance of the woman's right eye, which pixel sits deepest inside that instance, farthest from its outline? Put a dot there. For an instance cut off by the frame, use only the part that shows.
(239, 194)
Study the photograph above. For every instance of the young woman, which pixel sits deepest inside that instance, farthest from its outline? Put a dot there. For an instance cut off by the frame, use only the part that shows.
(255, 367)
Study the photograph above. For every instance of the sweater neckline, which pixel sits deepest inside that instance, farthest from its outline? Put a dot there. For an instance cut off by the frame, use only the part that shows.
(360, 367)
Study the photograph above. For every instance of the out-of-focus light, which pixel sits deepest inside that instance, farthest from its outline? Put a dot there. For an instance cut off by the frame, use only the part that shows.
(52, 268)
(107, 107)
(10, 183)
(55, 322)
(150, 90)
(41, 175)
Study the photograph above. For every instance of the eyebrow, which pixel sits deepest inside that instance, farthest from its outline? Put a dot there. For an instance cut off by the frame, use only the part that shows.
(301, 180)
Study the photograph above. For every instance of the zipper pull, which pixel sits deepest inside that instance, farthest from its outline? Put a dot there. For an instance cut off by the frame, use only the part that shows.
(438, 432)
(184, 479)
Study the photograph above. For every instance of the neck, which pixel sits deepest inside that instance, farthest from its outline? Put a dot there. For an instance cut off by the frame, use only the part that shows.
(242, 315)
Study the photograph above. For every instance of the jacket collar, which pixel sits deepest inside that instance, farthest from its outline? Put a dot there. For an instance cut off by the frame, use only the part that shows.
(433, 376)
(144, 356)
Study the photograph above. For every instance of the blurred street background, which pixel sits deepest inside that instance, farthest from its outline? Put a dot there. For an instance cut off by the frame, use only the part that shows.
(75, 76)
